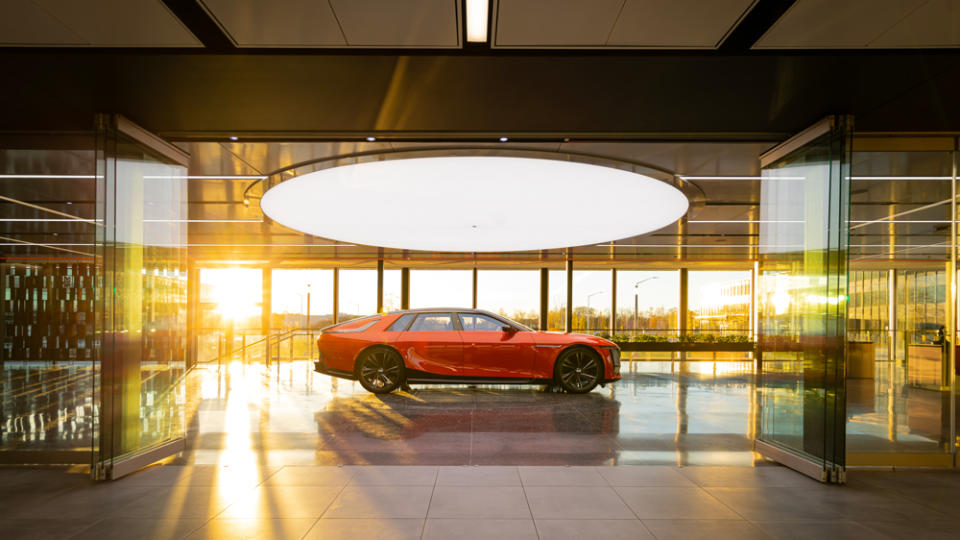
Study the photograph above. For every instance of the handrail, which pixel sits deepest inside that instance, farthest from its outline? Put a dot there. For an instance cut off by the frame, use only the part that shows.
(269, 339)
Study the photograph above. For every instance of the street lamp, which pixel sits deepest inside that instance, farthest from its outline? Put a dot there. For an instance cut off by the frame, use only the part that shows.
(588, 307)
(635, 301)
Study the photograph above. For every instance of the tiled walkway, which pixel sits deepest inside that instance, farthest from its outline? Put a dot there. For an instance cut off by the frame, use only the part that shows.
(465, 502)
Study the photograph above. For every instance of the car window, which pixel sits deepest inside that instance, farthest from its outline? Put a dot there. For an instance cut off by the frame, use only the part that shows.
(401, 323)
(432, 322)
(475, 322)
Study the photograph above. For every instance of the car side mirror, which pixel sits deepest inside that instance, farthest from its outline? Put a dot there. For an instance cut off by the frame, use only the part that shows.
(508, 329)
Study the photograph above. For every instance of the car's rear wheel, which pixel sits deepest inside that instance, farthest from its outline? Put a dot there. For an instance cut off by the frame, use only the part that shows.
(380, 370)
(578, 370)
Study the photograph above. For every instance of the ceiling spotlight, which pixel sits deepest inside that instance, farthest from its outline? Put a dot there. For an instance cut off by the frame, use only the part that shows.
(477, 11)
(371, 139)
(68, 202)
(234, 138)
(246, 202)
(504, 139)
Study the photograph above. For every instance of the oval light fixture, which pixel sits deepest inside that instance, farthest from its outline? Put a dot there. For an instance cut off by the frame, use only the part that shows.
(474, 203)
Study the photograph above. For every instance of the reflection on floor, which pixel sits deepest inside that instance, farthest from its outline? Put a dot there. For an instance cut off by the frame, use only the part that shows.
(466, 502)
(691, 413)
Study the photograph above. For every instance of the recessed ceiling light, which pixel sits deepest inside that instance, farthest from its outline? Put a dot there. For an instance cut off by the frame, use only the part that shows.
(234, 138)
(474, 203)
(477, 20)
(504, 139)
(371, 139)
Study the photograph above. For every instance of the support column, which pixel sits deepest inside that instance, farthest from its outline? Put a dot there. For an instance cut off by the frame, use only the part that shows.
(568, 319)
(380, 286)
(544, 299)
(682, 315)
(336, 295)
(266, 285)
(613, 301)
(193, 315)
(950, 369)
(474, 287)
(404, 288)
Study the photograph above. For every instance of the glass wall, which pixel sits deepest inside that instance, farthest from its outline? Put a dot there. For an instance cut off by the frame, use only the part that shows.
(441, 288)
(648, 304)
(142, 207)
(292, 289)
(358, 293)
(515, 294)
(719, 304)
(230, 310)
(392, 293)
(556, 300)
(49, 285)
(591, 301)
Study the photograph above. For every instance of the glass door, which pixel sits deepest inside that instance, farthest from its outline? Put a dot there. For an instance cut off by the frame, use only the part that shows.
(141, 244)
(802, 295)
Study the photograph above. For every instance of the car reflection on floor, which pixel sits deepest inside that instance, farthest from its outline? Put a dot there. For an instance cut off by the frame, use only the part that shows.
(660, 413)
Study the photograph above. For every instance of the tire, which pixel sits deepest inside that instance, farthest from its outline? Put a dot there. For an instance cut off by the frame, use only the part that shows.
(578, 370)
(380, 370)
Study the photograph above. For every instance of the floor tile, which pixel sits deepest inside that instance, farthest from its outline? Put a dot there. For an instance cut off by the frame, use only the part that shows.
(639, 475)
(366, 528)
(576, 503)
(283, 502)
(578, 529)
(561, 476)
(478, 502)
(180, 501)
(381, 501)
(87, 501)
(394, 476)
(767, 504)
(770, 475)
(674, 503)
(43, 529)
(703, 529)
(141, 529)
(916, 530)
(158, 475)
(478, 476)
(253, 529)
(818, 530)
(480, 529)
(315, 475)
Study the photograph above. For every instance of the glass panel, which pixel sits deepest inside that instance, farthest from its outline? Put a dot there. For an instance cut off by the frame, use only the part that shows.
(557, 300)
(648, 304)
(358, 293)
(294, 289)
(230, 310)
(898, 409)
(591, 301)
(392, 290)
(719, 306)
(515, 294)
(441, 288)
(142, 201)
(803, 292)
(47, 399)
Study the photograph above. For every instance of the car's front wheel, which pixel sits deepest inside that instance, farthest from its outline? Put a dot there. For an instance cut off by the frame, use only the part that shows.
(578, 370)
(380, 370)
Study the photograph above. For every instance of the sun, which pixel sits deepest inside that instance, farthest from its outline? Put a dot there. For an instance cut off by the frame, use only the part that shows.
(235, 291)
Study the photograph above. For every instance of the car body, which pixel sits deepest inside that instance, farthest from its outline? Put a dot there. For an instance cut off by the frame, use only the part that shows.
(459, 345)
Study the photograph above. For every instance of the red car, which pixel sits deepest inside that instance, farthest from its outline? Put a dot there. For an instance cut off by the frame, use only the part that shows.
(453, 345)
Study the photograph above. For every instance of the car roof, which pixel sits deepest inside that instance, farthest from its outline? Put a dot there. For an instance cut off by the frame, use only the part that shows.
(442, 310)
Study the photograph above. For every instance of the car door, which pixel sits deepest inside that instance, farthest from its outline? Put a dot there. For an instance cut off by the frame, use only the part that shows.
(491, 351)
(431, 344)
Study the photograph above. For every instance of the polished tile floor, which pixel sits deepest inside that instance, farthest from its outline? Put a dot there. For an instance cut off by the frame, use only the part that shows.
(660, 413)
(466, 502)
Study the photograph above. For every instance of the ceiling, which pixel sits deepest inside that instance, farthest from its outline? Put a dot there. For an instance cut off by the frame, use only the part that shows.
(513, 24)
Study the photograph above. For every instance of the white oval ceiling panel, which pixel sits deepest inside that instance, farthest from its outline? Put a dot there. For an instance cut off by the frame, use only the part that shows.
(474, 203)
